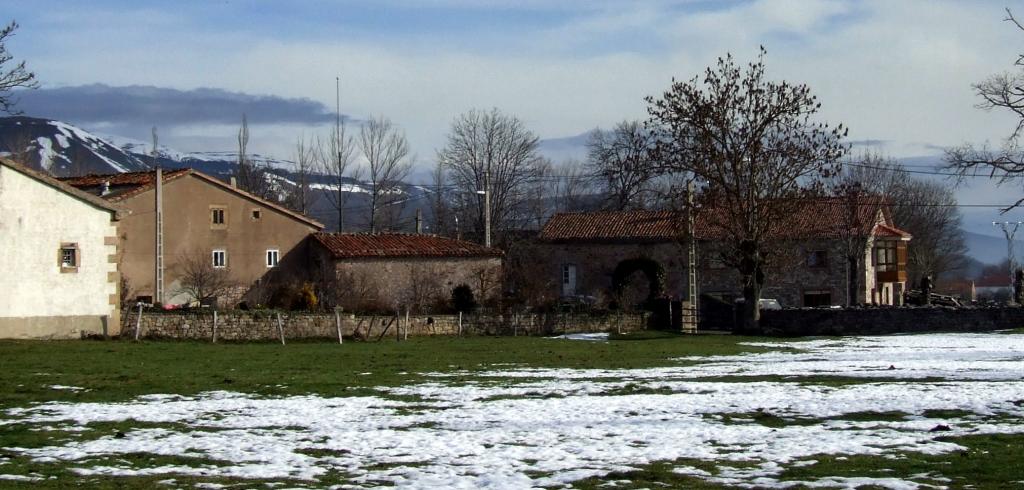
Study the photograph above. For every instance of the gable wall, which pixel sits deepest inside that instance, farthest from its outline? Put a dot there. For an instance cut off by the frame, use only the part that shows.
(37, 300)
(189, 233)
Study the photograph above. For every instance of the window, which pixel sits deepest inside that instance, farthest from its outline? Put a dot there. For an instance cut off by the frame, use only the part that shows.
(218, 217)
(817, 298)
(256, 213)
(817, 259)
(568, 280)
(272, 256)
(220, 258)
(68, 257)
(885, 256)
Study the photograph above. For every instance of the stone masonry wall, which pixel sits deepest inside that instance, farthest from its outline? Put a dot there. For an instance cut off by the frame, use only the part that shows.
(889, 320)
(262, 325)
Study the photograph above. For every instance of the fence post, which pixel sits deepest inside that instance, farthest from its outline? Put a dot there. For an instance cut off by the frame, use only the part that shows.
(138, 322)
(337, 323)
(214, 326)
(460, 324)
(515, 324)
(280, 328)
(406, 323)
(398, 325)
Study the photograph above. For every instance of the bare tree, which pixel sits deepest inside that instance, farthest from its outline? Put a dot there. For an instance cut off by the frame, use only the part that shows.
(927, 209)
(301, 197)
(621, 157)
(754, 143)
(388, 162)
(491, 152)
(201, 280)
(1004, 91)
(439, 206)
(250, 176)
(573, 186)
(12, 77)
(334, 160)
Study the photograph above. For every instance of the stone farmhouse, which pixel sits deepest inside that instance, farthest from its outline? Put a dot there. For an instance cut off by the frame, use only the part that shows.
(58, 253)
(205, 221)
(389, 271)
(592, 253)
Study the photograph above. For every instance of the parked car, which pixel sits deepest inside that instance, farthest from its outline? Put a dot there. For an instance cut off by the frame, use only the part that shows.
(765, 303)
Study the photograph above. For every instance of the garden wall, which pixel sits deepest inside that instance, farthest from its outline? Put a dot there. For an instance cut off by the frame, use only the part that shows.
(264, 325)
(889, 320)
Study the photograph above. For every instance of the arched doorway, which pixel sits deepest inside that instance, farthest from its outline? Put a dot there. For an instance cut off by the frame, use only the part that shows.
(625, 280)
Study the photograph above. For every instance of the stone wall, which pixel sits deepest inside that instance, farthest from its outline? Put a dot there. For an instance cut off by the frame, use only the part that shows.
(889, 320)
(263, 325)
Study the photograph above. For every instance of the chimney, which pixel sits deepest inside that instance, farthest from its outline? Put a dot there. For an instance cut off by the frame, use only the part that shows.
(105, 188)
(419, 221)
(234, 182)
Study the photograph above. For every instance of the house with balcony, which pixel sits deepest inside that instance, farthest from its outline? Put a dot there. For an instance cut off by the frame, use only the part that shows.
(596, 254)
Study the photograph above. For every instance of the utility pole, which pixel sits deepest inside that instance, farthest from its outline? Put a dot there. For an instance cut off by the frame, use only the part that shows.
(158, 286)
(487, 205)
(1009, 230)
(337, 143)
(691, 260)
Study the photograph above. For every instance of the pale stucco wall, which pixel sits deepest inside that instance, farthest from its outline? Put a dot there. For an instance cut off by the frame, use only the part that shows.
(37, 300)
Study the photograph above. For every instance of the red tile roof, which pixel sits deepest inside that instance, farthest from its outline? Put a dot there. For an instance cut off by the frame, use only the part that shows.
(122, 186)
(817, 218)
(126, 185)
(891, 232)
(368, 245)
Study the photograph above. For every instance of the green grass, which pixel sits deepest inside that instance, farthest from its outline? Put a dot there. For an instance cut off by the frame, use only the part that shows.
(116, 371)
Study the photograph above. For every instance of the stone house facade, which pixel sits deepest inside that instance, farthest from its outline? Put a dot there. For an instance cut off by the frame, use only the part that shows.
(395, 271)
(590, 252)
(58, 253)
(206, 222)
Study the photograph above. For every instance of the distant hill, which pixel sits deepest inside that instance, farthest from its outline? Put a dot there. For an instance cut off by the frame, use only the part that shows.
(991, 249)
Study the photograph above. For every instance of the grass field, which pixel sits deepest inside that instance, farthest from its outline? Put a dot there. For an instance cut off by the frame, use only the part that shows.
(642, 411)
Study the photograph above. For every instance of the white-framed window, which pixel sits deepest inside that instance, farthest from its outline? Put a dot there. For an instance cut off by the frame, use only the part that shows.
(220, 258)
(272, 255)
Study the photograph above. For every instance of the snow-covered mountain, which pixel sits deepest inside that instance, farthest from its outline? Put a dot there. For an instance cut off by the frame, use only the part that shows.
(62, 149)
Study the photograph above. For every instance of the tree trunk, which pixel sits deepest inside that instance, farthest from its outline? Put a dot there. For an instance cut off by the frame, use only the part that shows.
(852, 271)
(753, 280)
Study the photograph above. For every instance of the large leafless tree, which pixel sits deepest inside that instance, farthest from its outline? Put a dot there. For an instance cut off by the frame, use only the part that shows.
(497, 148)
(754, 143)
(200, 280)
(12, 76)
(388, 162)
(1003, 92)
(335, 161)
(301, 197)
(621, 157)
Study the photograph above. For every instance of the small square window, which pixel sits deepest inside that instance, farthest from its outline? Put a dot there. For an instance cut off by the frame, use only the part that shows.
(257, 214)
(68, 257)
(272, 256)
(220, 258)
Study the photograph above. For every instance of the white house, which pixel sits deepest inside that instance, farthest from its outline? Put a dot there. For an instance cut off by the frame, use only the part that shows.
(58, 257)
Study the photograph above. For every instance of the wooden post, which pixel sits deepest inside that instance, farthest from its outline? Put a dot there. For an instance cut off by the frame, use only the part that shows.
(406, 323)
(460, 324)
(138, 322)
(337, 323)
(398, 325)
(280, 328)
(214, 326)
(515, 324)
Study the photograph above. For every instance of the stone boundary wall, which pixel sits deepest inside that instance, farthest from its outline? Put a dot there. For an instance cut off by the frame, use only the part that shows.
(263, 325)
(889, 320)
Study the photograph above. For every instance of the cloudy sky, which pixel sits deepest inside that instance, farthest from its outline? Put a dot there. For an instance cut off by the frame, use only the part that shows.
(898, 72)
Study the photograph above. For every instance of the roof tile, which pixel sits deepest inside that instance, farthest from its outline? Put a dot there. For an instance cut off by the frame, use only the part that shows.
(393, 245)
